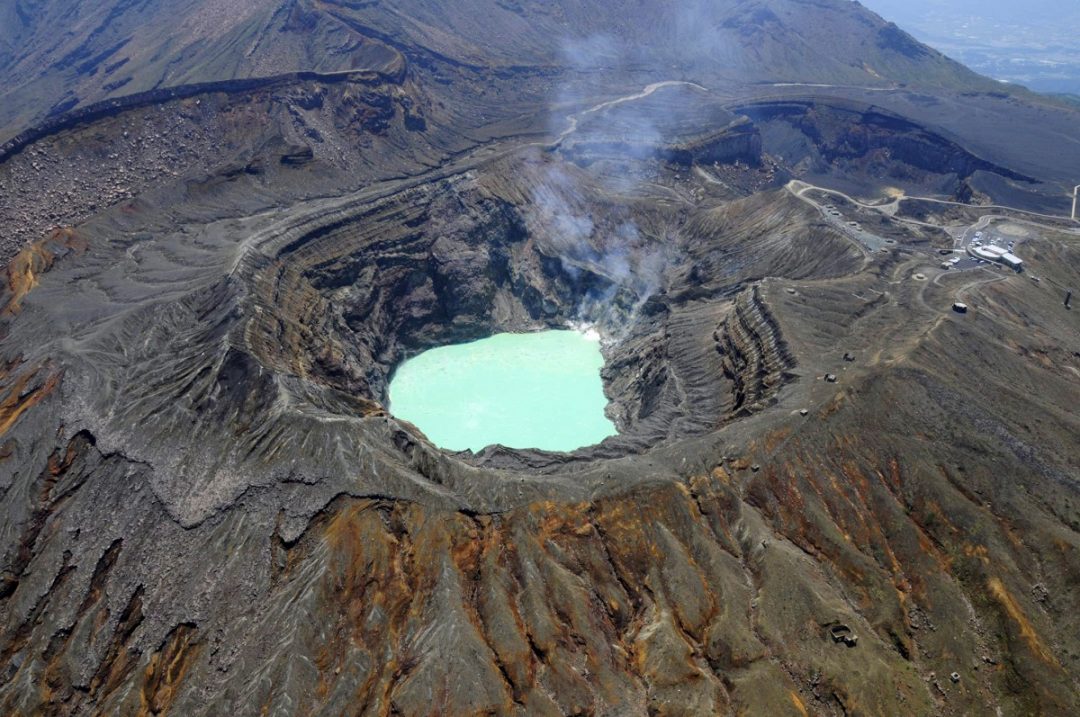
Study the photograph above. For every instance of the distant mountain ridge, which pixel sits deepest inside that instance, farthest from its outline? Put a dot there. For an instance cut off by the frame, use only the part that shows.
(118, 47)
(1031, 44)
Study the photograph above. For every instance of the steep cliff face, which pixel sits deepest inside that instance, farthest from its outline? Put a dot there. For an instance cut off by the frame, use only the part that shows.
(865, 141)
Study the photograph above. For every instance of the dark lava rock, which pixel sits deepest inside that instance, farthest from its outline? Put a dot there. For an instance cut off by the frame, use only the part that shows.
(209, 509)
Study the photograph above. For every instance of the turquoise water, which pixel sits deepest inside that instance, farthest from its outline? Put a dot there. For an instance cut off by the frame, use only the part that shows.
(540, 390)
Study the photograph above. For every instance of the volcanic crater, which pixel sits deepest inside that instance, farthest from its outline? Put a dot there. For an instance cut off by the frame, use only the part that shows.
(210, 511)
(343, 300)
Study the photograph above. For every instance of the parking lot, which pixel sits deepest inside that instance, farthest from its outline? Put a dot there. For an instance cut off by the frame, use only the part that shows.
(978, 235)
(871, 241)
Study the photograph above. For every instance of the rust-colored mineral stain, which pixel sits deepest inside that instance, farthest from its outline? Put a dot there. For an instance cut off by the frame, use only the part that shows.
(372, 569)
(17, 400)
(23, 272)
(467, 547)
(798, 704)
(22, 275)
(721, 475)
(977, 551)
(774, 438)
(166, 671)
(1016, 613)
(120, 660)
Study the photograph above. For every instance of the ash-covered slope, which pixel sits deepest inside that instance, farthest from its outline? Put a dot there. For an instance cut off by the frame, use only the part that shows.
(208, 510)
(56, 56)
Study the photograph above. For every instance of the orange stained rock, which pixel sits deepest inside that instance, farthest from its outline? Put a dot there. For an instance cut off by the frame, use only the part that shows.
(798, 704)
(368, 564)
(22, 275)
(741, 464)
(684, 489)
(775, 438)
(721, 475)
(371, 571)
(555, 519)
(863, 514)
(939, 515)
(17, 399)
(927, 546)
(1027, 630)
(977, 551)
(57, 465)
(833, 406)
(468, 549)
(1010, 533)
(119, 661)
(166, 671)
(23, 272)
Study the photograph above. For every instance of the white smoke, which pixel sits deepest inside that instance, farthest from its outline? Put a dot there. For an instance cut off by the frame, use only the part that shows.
(558, 215)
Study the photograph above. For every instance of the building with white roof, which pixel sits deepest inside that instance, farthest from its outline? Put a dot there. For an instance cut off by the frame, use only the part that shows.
(1000, 255)
(1012, 261)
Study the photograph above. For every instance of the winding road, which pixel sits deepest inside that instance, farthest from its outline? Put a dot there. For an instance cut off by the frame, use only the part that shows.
(575, 119)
